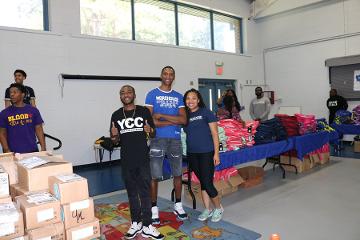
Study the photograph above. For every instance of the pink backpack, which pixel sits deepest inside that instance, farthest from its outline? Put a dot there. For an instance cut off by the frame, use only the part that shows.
(307, 123)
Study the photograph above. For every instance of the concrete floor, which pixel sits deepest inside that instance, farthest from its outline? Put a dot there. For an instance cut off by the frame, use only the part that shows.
(321, 204)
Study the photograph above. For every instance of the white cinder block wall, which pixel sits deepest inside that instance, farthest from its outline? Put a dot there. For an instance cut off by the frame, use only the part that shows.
(83, 113)
(298, 73)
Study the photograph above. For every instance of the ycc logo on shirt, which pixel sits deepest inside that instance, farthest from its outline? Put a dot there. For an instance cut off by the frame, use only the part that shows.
(131, 125)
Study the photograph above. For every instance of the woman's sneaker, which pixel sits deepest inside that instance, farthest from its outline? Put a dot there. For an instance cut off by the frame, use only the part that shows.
(205, 215)
(217, 214)
(152, 232)
(155, 215)
(179, 211)
(134, 229)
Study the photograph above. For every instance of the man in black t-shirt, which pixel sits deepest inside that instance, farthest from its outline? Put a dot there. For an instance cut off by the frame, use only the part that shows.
(29, 98)
(335, 103)
(131, 126)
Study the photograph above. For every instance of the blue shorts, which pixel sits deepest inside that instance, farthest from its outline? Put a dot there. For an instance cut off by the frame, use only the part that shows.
(172, 149)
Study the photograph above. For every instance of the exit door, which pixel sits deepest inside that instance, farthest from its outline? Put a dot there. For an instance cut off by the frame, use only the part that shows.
(211, 90)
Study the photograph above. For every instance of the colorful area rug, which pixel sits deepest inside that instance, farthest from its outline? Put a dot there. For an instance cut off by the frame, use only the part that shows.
(114, 216)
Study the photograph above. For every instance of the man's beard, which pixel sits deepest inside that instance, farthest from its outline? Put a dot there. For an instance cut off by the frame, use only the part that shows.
(129, 103)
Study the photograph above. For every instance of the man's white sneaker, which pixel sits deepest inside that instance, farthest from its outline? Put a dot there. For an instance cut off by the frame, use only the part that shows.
(155, 215)
(134, 229)
(179, 211)
(152, 232)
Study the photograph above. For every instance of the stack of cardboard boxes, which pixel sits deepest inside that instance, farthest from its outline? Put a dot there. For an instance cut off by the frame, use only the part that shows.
(77, 208)
(308, 162)
(51, 201)
(11, 218)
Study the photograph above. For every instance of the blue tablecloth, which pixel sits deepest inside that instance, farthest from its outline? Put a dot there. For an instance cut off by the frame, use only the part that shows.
(310, 142)
(244, 155)
(346, 129)
(254, 153)
(333, 136)
(302, 144)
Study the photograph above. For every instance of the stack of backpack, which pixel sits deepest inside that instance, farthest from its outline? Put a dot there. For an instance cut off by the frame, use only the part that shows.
(356, 115)
(270, 131)
(237, 135)
(343, 117)
(290, 124)
(307, 123)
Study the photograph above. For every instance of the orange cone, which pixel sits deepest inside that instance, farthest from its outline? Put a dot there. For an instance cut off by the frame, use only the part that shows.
(275, 236)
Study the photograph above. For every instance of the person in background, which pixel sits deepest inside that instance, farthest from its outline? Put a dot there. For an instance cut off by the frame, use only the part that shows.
(202, 143)
(168, 112)
(131, 126)
(231, 93)
(29, 97)
(229, 110)
(260, 106)
(334, 103)
(20, 124)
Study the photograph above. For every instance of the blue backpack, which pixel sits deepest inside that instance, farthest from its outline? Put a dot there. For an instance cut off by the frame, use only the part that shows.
(270, 131)
(343, 117)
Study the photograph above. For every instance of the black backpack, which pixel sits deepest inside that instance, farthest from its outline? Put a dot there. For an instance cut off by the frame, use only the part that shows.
(107, 143)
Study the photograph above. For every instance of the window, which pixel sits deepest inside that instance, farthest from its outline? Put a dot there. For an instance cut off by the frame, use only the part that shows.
(28, 14)
(106, 18)
(226, 33)
(161, 21)
(155, 21)
(194, 27)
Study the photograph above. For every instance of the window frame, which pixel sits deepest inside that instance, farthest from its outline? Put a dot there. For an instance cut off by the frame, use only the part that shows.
(211, 12)
(176, 14)
(45, 19)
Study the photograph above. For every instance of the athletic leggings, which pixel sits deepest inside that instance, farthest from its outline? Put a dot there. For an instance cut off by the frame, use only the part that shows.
(202, 164)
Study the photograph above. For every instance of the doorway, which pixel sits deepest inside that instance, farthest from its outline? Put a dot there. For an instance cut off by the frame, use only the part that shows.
(211, 90)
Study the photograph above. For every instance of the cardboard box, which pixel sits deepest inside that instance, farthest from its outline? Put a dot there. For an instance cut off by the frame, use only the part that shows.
(226, 187)
(315, 158)
(20, 156)
(26, 237)
(4, 183)
(356, 146)
(11, 221)
(40, 209)
(324, 158)
(69, 188)
(12, 191)
(86, 231)
(5, 200)
(77, 213)
(251, 175)
(20, 191)
(36, 178)
(17, 190)
(301, 165)
(196, 189)
(52, 231)
(8, 164)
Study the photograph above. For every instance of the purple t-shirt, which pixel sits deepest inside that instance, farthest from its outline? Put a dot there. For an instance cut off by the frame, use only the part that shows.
(20, 123)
